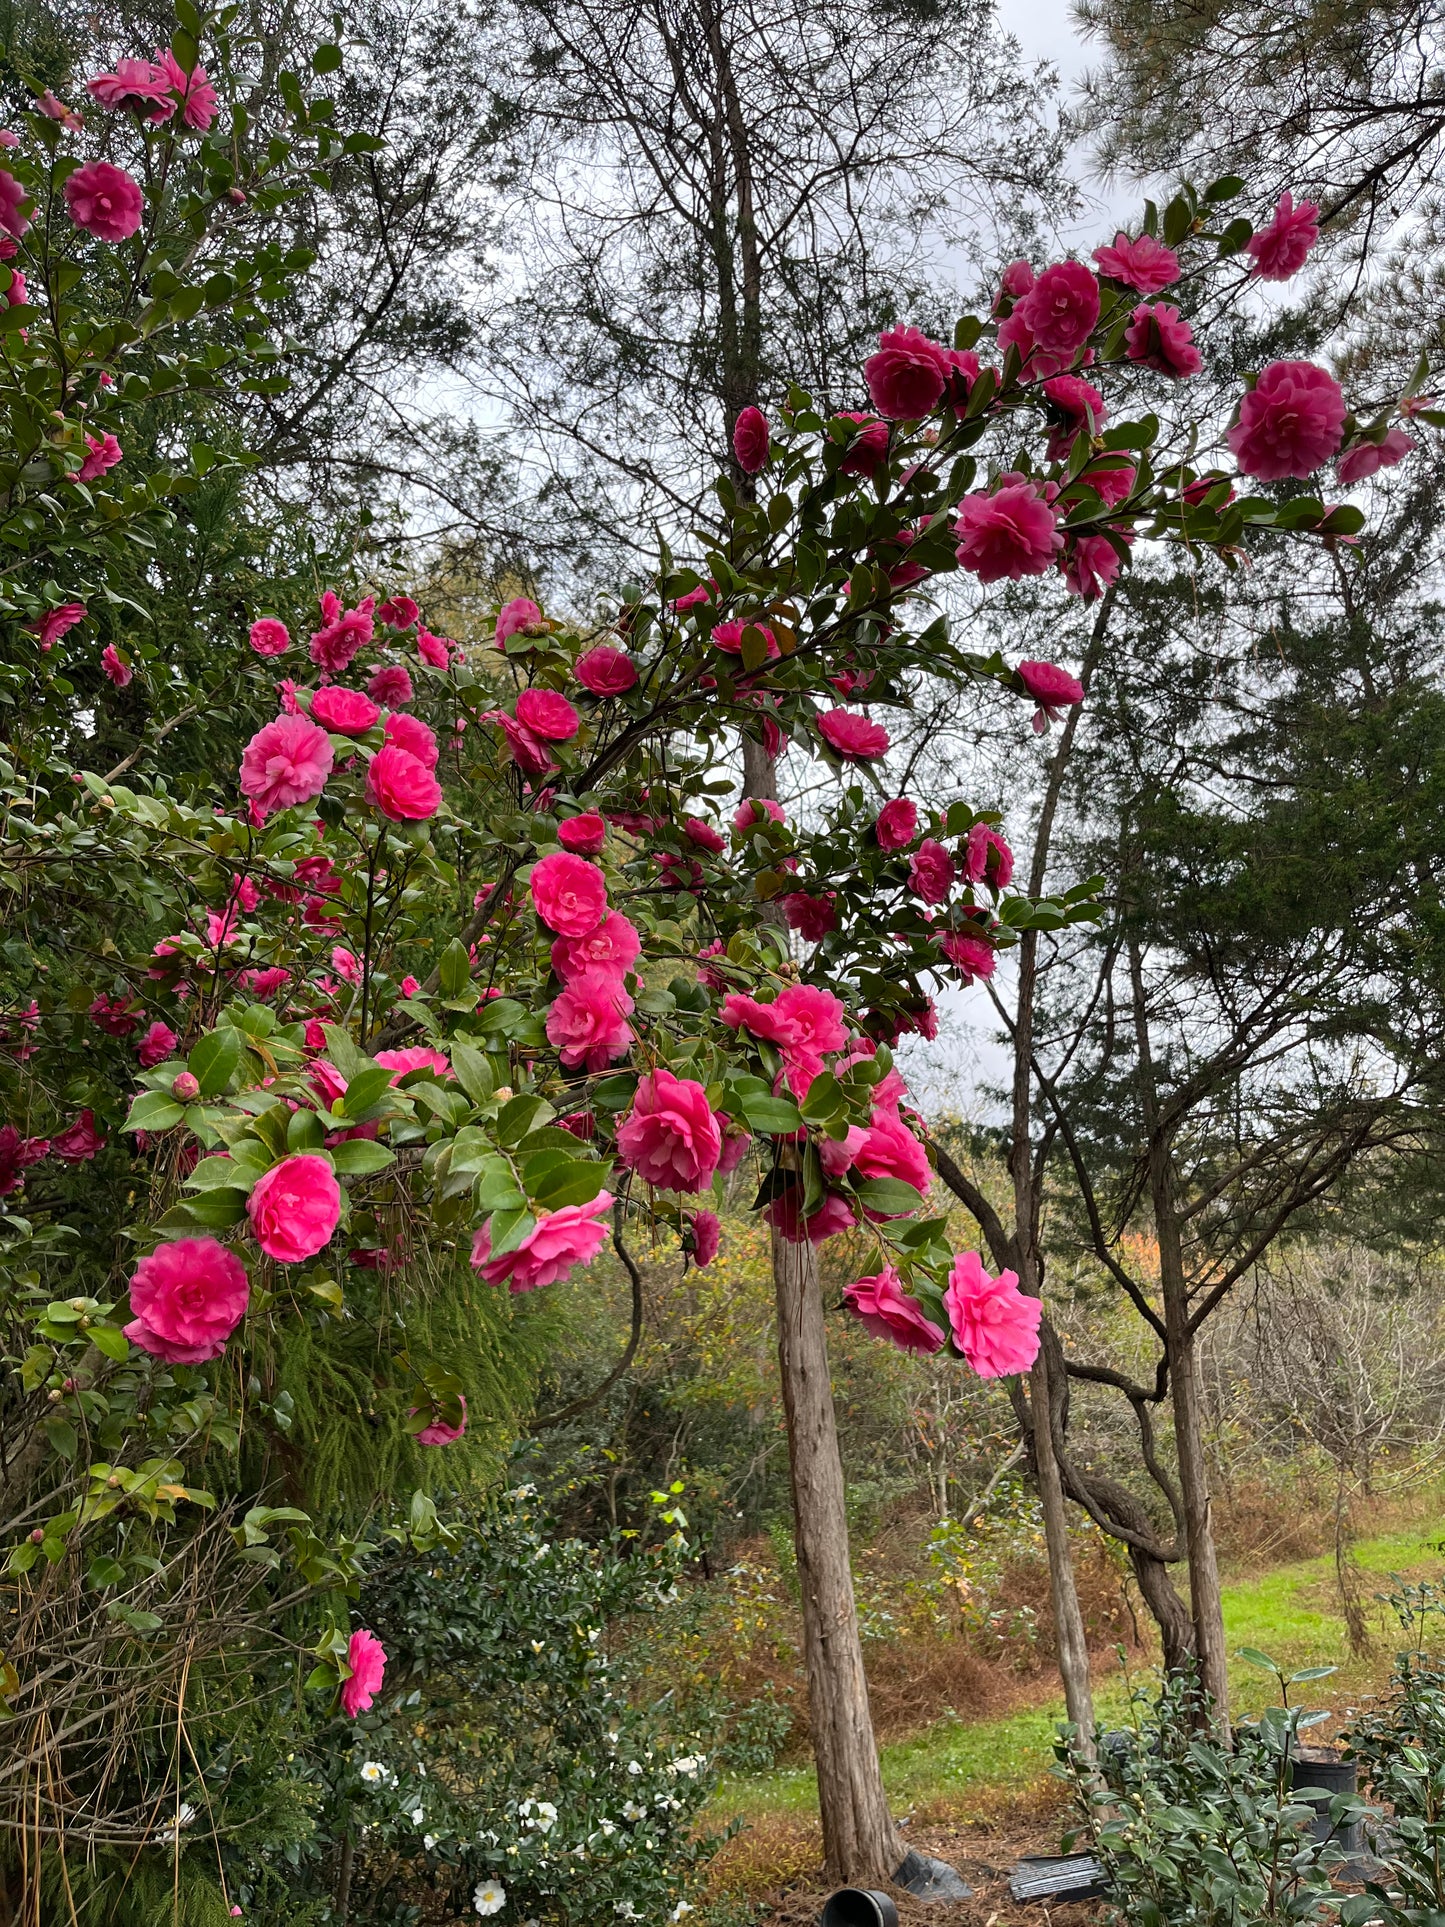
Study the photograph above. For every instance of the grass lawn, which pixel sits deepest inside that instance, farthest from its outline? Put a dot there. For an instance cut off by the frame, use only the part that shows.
(964, 1768)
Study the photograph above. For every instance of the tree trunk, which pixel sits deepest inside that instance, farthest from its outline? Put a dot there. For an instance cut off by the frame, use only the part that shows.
(861, 1845)
(1068, 1619)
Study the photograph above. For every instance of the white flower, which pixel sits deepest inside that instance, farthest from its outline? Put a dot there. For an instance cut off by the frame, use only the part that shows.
(690, 1764)
(374, 1773)
(428, 1841)
(417, 1816)
(627, 1910)
(183, 1818)
(489, 1898)
(634, 1767)
(631, 1811)
(680, 1911)
(546, 1816)
(608, 1828)
(539, 1646)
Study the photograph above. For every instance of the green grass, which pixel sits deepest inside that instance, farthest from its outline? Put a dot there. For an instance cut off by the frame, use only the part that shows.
(1290, 1614)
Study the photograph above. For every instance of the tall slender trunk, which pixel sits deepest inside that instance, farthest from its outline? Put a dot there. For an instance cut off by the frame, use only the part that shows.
(860, 1841)
(1186, 1391)
(1068, 1617)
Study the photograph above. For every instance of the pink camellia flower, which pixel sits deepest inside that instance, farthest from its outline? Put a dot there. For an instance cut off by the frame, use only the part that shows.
(342, 632)
(560, 1242)
(974, 958)
(117, 669)
(517, 616)
(366, 1656)
(345, 711)
(17, 1154)
(588, 1024)
(611, 947)
(1159, 338)
(1195, 491)
(750, 440)
(1016, 280)
(728, 636)
(606, 671)
(1080, 408)
(930, 873)
(401, 786)
(1145, 265)
(439, 1432)
(836, 1155)
(17, 295)
(1011, 533)
(785, 1215)
(8, 138)
(269, 637)
(188, 1297)
(868, 449)
(56, 109)
(907, 375)
(113, 1015)
(670, 1137)
(193, 90)
(1111, 485)
(136, 87)
(1368, 458)
(285, 763)
(811, 917)
(695, 598)
(584, 835)
(704, 835)
(1061, 309)
(890, 1150)
(988, 858)
(416, 1057)
(548, 715)
(815, 1016)
(569, 894)
(12, 198)
(706, 1236)
(156, 1046)
(1052, 688)
(80, 1141)
(1090, 564)
(527, 750)
(766, 1021)
(1282, 248)
(390, 686)
(102, 454)
(410, 986)
(294, 1208)
(55, 622)
(995, 1325)
(398, 612)
(434, 650)
(854, 738)
(104, 201)
(754, 810)
(411, 734)
(897, 824)
(880, 1304)
(1290, 422)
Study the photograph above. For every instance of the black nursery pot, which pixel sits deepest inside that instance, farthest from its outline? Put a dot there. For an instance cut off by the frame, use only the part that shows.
(1318, 1771)
(859, 1907)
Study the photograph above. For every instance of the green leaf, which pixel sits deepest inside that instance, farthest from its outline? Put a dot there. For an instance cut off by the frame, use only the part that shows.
(215, 1174)
(497, 1188)
(507, 1229)
(890, 1197)
(214, 1060)
(1311, 1672)
(111, 1340)
(326, 59)
(1235, 236)
(214, 1209)
(455, 968)
(1252, 1656)
(825, 1096)
(153, 1111)
(305, 1132)
(777, 1116)
(521, 1114)
(344, 1052)
(360, 1157)
(474, 1074)
(577, 1182)
(363, 1090)
(1224, 189)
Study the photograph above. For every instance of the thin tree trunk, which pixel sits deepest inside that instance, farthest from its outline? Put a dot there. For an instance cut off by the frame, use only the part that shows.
(1068, 1618)
(860, 1842)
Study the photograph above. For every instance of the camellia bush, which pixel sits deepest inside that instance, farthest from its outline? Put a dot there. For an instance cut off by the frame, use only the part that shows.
(387, 977)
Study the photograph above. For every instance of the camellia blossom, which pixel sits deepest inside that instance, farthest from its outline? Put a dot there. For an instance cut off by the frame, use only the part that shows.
(868, 450)
(488, 1897)
(1061, 309)
(754, 810)
(117, 669)
(342, 632)
(569, 894)
(548, 715)
(812, 917)
(611, 946)
(988, 859)
(1290, 422)
(853, 737)
(390, 686)
(366, 1656)
(750, 440)
(345, 711)
(728, 636)
(1368, 458)
(890, 1150)
(1081, 409)
(113, 1015)
(605, 671)
(1052, 688)
(558, 1243)
(520, 614)
(411, 734)
(587, 1023)
(193, 90)
(17, 1154)
(416, 1057)
(1158, 337)
(398, 612)
(401, 786)
(12, 198)
(897, 824)
(995, 1325)
(1090, 564)
(584, 834)
(55, 623)
(816, 1019)
(881, 1306)
(436, 651)
(285, 763)
(785, 1215)
(294, 1208)
(105, 201)
(930, 873)
(438, 1432)
(156, 1046)
(102, 453)
(1282, 248)
(136, 87)
(706, 1234)
(527, 750)
(906, 377)
(1145, 265)
(670, 1138)
(1011, 533)
(972, 957)
(79, 1141)
(268, 637)
(188, 1297)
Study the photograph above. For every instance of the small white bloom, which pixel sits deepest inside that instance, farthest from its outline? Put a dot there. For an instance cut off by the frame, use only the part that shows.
(417, 1816)
(539, 1646)
(634, 1767)
(183, 1818)
(631, 1810)
(608, 1828)
(546, 1816)
(428, 1841)
(489, 1898)
(626, 1909)
(680, 1911)
(374, 1773)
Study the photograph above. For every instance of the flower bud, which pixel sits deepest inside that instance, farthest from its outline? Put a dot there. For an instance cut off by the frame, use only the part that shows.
(37, 1537)
(236, 196)
(185, 1087)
